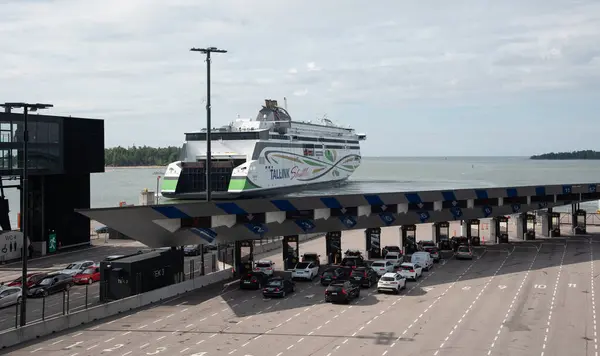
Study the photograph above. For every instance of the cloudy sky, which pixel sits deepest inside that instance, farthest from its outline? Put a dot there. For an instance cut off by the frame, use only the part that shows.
(445, 78)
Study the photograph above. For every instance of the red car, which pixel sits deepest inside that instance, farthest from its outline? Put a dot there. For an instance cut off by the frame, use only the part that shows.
(88, 276)
(32, 278)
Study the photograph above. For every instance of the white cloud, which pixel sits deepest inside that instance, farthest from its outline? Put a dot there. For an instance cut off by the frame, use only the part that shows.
(129, 61)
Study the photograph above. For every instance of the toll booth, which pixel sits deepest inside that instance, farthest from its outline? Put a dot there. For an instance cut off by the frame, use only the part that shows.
(291, 251)
(373, 242)
(333, 247)
(526, 226)
(408, 239)
(579, 222)
(499, 229)
(473, 231)
(551, 224)
(441, 235)
(243, 256)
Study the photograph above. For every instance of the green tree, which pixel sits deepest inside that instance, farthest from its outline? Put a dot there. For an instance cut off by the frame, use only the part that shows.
(587, 154)
(135, 156)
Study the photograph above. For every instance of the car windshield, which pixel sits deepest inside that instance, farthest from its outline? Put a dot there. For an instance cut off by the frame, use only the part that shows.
(428, 243)
(407, 268)
(89, 271)
(392, 248)
(328, 273)
(378, 264)
(387, 279)
(463, 249)
(190, 246)
(302, 266)
(263, 264)
(358, 272)
(74, 266)
(46, 282)
(391, 257)
(274, 284)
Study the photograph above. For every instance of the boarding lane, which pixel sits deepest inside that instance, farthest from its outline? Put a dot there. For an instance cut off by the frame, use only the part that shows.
(233, 329)
(423, 334)
(477, 331)
(387, 329)
(526, 329)
(572, 328)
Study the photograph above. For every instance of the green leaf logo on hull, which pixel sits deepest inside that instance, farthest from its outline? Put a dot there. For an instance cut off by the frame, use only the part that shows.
(330, 155)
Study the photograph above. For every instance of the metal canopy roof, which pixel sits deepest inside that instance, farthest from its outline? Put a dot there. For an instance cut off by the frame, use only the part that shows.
(195, 223)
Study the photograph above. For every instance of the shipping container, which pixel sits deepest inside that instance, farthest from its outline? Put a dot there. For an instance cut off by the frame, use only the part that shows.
(140, 273)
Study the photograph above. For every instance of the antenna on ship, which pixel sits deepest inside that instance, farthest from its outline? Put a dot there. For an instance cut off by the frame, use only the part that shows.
(285, 103)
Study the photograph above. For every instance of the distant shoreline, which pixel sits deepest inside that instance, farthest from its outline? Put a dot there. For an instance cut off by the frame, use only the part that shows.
(134, 167)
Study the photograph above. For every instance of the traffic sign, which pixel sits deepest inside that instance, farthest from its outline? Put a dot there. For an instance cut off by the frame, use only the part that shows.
(387, 218)
(305, 225)
(542, 205)
(257, 228)
(352, 211)
(348, 221)
(516, 208)
(52, 242)
(449, 204)
(456, 212)
(388, 209)
(421, 206)
(251, 218)
(487, 211)
(206, 234)
(423, 216)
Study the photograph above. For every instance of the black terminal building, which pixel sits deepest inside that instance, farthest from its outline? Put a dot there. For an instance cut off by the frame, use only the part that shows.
(62, 151)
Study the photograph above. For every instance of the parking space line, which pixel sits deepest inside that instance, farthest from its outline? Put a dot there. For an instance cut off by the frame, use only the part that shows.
(551, 309)
(593, 298)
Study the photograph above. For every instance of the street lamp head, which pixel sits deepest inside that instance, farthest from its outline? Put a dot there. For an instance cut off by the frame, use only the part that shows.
(32, 107)
(208, 50)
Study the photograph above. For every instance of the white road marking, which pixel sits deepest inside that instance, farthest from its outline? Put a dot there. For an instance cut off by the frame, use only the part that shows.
(92, 347)
(553, 300)
(512, 303)
(126, 333)
(36, 350)
(109, 340)
(77, 334)
(75, 344)
(57, 342)
(127, 353)
(184, 350)
(593, 298)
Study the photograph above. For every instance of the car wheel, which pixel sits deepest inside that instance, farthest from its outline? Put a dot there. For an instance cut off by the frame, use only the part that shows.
(19, 299)
(90, 281)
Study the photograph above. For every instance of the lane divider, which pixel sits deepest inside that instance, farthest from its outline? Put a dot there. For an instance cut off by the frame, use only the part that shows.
(512, 304)
(548, 323)
(592, 276)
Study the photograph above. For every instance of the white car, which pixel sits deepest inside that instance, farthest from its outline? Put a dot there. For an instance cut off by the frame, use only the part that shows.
(464, 252)
(10, 296)
(382, 267)
(264, 266)
(411, 271)
(395, 257)
(422, 259)
(392, 282)
(76, 267)
(305, 270)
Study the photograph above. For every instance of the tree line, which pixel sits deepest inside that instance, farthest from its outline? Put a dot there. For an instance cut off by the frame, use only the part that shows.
(135, 156)
(586, 154)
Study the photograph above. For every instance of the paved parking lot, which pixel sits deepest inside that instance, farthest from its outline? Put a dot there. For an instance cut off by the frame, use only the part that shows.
(520, 299)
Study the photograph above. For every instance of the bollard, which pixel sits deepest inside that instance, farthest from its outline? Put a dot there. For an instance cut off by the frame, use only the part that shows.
(43, 308)
(63, 302)
(214, 263)
(68, 300)
(202, 270)
(86, 296)
(192, 268)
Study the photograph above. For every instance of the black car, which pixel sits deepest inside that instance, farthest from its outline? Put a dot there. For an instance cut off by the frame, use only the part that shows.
(434, 252)
(253, 280)
(278, 287)
(387, 249)
(364, 276)
(341, 292)
(334, 274)
(53, 283)
(312, 257)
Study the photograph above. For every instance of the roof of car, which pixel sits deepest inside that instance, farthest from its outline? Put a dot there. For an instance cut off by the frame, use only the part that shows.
(390, 274)
(310, 253)
(380, 261)
(264, 261)
(392, 253)
(407, 264)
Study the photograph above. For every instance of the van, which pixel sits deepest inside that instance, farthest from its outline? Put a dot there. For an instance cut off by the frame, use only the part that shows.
(423, 259)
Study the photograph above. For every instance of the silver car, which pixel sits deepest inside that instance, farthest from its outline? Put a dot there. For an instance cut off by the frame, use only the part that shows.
(10, 296)
(76, 267)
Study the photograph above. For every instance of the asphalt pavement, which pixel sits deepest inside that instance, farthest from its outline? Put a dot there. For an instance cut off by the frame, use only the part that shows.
(533, 298)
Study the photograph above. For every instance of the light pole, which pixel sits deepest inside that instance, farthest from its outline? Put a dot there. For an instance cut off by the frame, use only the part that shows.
(157, 185)
(208, 167)
(24, 194)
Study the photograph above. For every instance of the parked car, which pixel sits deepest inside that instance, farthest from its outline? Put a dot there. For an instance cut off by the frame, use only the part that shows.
(395, 257)
(387, 249)
(391, 282)
(334, 274)
(364, 276)
(312, 257)
(113, 257)
(423, 259)
(305, 270)
(265, 266)
(253, 280)
(10, 296)
(341, 292)
(76, 267)
(464, 252)
(53, 283)
(411, 271)
(192, 250)
(278, 287)
(32, 278)
(353, 259)
(425, 243)
(382, 267)
(434, 252)
(88, 276)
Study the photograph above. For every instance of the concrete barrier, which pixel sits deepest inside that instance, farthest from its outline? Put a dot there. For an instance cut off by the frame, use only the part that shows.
(271, 246)
(42, 328)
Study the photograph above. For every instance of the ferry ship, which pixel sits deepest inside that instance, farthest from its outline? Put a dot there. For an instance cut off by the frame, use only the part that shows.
(267, 156)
